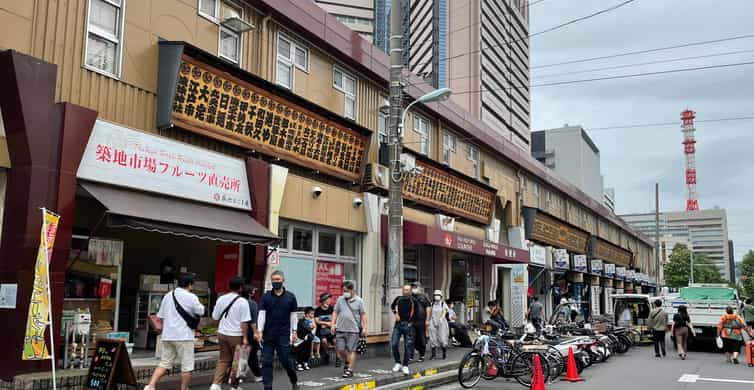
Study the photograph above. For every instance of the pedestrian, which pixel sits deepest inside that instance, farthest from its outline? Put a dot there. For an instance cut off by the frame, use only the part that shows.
(404, 309)
(439, 332)
(277, 329)
(495, 317)
(323, 319)
(350, 324)
(177, 335)
(626, 317)
(421, 321)
(748, 313)
(234, 317)
(305, 330)
(680, 330)
(729, 328)
(574, 309)
(536, 313)
(256, 369)
(658, 322)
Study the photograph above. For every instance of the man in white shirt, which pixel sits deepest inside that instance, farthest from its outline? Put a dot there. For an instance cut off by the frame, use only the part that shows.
(232, 311)
(177, 337)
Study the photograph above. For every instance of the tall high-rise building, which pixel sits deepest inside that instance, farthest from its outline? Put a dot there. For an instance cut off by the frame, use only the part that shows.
(478, 48)
(359, 15)
(705, 230)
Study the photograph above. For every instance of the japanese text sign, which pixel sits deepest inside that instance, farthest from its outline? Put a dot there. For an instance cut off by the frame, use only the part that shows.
(609, 269)
(221, 106)
(560, 259)
(330, 278)
(129, 158)
(597, 266)
(579, 263)
(620, 272)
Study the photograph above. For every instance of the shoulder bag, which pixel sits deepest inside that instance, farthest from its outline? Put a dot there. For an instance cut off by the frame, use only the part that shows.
(361, 349)
(191, 321)
(224, 314)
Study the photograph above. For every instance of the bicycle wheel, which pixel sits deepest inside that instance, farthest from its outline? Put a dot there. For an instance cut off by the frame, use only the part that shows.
(556, 361)
(522, 368)
(470, 369)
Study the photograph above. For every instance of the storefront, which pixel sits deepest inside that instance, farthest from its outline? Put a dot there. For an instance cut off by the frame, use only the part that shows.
(597, 290)
(620, 282)
(608, 288)
(155, 207)
(540, 277)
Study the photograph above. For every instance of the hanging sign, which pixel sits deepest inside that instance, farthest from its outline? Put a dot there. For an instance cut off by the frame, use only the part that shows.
(597, 267)
(579, 263)
(105, 252)
(124, 157)
(620, 273)
(609, 270)
(560, 259)
(538, 255)
(35, 347)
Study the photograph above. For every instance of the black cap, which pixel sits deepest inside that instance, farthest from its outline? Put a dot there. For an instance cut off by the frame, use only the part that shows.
(323, 297)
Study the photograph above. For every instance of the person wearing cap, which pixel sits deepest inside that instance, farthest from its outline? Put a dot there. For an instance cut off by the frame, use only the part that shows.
(323, 319)
(350, 324)
(438, 325)
(421, 320)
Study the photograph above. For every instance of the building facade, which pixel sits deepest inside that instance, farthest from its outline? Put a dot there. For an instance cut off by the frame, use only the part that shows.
(571, 153)
(359, 15)
(266, 117)
(609, 198)
(705, 230)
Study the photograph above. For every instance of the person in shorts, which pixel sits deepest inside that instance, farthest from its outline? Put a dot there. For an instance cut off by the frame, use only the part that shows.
(177, 338)
(323, 319)
(350, 324)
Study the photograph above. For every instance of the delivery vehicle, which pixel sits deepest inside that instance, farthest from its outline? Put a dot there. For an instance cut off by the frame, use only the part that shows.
(632, 312)
(706, 303)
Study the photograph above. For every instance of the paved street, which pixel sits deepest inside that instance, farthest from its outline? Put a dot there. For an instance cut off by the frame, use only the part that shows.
(639, 370)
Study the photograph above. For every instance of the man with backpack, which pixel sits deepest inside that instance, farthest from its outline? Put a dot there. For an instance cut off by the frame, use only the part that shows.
(180, 311)
(404, 307)
(232, 310)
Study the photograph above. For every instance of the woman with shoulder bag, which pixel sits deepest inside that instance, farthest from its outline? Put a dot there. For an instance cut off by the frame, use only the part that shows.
(681, 329)
(730, 330)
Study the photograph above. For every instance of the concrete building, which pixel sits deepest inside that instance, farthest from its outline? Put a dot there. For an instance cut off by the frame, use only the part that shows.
(359, 15)
(609, 198)
(572, 154)
(705, 230)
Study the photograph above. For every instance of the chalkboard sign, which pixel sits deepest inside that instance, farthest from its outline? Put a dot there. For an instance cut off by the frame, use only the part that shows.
(110, 365)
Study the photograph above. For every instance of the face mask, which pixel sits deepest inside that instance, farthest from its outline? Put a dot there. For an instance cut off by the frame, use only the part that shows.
(277, 285)
(438, 298)
(347, 295)
(415, 290)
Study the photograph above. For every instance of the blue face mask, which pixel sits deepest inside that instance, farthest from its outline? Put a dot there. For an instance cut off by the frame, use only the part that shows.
(277, 285)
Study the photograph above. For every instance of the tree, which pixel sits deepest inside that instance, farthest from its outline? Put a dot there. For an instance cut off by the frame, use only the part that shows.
(678, 269)
(747, 273)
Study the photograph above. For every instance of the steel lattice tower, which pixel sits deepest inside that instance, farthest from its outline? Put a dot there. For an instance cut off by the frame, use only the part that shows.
(689, 149)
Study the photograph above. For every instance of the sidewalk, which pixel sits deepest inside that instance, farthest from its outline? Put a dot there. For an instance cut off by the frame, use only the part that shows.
(369, 373)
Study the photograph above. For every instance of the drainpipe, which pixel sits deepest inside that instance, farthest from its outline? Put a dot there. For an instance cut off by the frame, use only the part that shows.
(265, 49)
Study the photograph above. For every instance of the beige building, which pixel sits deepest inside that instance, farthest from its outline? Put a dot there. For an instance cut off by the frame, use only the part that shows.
(356, 14)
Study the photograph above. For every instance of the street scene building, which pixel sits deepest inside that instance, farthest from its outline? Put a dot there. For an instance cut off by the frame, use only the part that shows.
(226, 138)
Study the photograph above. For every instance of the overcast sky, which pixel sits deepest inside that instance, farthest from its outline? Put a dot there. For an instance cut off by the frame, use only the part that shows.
(634, 159)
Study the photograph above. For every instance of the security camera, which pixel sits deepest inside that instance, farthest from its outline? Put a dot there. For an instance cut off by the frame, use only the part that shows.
(357, 202)
(316, 192)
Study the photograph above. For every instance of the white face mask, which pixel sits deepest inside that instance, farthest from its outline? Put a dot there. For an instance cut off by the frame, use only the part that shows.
(438, 298)
(415, 290)
(347, 295)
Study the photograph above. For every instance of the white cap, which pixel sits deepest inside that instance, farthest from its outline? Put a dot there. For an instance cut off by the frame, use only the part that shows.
(437, 292)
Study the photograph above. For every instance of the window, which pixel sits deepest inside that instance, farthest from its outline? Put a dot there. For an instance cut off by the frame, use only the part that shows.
(348, 245)
(290, 54)
(283, 234)
(382, 128)
(103, 43)
(230, 41)
(448, 147)
(208, 8)
(302, 239)
(327, 243)
(474, 158)
(346, 83)
(421, 126)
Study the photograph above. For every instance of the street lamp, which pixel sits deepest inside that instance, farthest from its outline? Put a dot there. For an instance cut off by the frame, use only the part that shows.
(437, 95)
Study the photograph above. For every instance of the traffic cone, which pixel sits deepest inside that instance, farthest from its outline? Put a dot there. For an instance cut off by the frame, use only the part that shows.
(572, 374)
(537, 379)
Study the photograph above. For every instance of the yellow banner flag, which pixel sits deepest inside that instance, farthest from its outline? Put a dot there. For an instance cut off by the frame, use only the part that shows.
(35, 347)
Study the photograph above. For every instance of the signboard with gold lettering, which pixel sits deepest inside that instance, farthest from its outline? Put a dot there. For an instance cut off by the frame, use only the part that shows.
(549, 230)
(450, 192)
(607, 251)
(222, 106)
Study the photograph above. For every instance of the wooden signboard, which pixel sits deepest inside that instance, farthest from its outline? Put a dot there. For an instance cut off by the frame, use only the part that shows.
(551, 231)
(110, 366)
(216, 104)
(451, 193)
(615, 254)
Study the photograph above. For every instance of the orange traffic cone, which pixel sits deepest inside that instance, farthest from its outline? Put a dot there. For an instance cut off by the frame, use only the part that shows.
(572, 374)
(537, 379)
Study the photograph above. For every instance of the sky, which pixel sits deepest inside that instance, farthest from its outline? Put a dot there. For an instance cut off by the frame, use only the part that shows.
(632, 160)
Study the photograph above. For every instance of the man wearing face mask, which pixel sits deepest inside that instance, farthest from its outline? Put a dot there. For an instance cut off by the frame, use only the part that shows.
(404, 308)
(349, 324)
(276, 329)
(421, 320)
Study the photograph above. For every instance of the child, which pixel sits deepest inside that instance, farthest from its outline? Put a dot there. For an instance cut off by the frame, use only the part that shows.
(306, 340)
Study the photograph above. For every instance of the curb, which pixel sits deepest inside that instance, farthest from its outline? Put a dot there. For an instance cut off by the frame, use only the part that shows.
(384, 379)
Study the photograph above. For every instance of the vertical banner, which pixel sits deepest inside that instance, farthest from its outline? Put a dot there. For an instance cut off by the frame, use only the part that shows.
(39, 317)
(519, 288)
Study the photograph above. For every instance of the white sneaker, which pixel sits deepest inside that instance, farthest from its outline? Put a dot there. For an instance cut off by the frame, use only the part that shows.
(215, 387)
(258, 379)
(147, 387)
(405, 370)
(396, 368)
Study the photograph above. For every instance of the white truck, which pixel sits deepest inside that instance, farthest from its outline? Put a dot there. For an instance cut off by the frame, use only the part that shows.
(705, 303)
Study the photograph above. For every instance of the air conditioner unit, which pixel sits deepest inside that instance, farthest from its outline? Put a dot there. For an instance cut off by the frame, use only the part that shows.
(376, 176)
(408, 162)
(445, 222)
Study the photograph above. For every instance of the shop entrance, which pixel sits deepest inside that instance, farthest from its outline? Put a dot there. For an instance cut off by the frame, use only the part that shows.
(503, 289)
(466, 287)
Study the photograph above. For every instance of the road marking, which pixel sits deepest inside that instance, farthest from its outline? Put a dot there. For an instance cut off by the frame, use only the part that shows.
(691, 378)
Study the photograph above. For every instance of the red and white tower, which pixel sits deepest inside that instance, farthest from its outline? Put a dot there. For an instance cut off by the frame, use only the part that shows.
(689, 149)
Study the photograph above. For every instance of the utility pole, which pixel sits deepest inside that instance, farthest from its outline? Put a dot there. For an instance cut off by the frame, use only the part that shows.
(394, 266)
(691, 254)
(657, 234)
